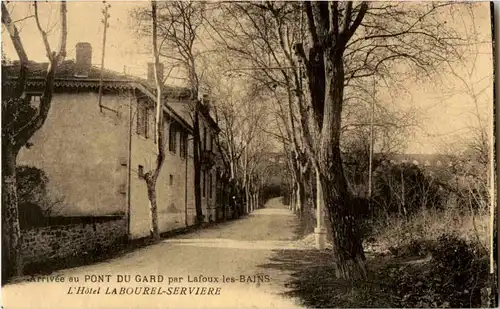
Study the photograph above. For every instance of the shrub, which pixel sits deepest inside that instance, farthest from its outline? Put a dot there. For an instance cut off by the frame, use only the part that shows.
(454, 277)
(404, 189)
(459, 270)
(31, 184)
(429, 225)
(33, 199)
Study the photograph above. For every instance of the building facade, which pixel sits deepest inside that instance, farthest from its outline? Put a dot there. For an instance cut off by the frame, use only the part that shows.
(98, 141)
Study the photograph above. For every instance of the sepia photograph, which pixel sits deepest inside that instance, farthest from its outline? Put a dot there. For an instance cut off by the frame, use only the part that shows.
(248, 154)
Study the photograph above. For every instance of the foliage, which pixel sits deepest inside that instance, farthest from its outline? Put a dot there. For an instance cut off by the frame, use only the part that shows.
(270, 191)
(404, 189)
(31, 184)
(34, 201)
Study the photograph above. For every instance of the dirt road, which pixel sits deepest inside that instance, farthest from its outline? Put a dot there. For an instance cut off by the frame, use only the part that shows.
(218, 267)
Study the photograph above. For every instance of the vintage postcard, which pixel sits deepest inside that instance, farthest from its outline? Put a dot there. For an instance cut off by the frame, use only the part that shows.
(248, 154)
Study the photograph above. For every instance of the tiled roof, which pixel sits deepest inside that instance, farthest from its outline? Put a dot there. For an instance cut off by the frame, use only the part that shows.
(67, 72)
(66, 77)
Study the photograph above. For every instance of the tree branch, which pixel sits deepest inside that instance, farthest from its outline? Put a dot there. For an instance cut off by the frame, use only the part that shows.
(361, 14)
(311, 23)
(19, 47)
(25, 133)
(43, 33)
(347, 18)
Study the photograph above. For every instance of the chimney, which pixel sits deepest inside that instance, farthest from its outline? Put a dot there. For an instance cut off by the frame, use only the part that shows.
(151, 72)
(83, 59)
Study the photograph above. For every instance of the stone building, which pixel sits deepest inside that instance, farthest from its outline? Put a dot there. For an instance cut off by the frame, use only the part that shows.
(95, 146)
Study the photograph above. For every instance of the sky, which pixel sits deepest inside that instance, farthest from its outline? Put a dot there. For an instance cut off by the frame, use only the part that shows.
(446, 110)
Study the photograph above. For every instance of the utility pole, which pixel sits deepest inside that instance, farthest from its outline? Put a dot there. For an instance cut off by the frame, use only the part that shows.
(106, 25)
(370, 169)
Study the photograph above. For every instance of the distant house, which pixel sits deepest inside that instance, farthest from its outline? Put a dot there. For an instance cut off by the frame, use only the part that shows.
(96, 155)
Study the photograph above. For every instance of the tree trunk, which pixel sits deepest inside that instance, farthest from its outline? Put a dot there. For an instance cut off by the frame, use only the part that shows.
(299, 198)
(252, 197)
(245, 177)
(347, 244)
(232, 168)
(254, 201)
(11, 233)
(153, 210)
(251, 202)
(247, 201)
(225, 200)
(197, 167)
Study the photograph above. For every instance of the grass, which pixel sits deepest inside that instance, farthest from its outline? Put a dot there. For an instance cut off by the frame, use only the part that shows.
(429, 225)
(436, 259)
(314, 283)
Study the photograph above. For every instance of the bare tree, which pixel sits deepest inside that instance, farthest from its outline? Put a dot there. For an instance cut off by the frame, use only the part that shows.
(391, 131)
(260, 49)
(151, 177)
(20, 122)
(337, 47)
(472, 174)
(178, 26)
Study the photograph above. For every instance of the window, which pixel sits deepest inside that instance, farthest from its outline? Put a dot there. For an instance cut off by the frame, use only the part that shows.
(171, 180)
(142, 120)
(172, 137)
(140, 171)
(183, 144)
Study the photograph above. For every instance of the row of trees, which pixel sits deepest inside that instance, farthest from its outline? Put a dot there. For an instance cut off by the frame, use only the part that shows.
(181, 33)
(317, 61)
